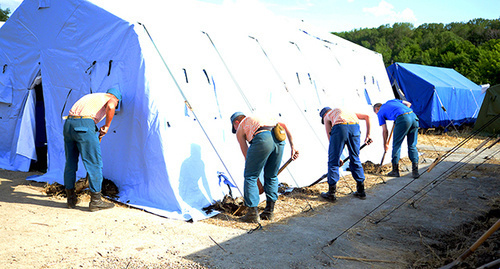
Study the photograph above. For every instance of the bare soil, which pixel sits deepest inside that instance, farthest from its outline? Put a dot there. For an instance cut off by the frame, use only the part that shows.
(38, 231)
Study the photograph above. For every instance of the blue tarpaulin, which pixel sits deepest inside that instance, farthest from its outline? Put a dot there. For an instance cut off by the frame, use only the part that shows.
(439, 96)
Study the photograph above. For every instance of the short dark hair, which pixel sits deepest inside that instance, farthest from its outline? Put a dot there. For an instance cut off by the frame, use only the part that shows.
(377, 105)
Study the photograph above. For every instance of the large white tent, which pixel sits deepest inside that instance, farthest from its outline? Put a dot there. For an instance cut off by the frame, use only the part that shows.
(183, 68)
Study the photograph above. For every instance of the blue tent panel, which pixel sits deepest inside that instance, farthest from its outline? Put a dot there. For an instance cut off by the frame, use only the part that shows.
(439, 96)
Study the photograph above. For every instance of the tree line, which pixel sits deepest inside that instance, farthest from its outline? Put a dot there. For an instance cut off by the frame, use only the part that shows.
(471, 48)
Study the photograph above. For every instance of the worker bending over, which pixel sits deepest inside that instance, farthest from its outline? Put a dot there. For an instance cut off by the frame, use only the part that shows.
(342, 129)
(81, 137)
(262, 149)
(405, 124)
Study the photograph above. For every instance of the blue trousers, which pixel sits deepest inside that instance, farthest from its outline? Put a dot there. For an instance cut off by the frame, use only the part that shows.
(405, 125)
(265, 152)
(343, 135)
(81, 136)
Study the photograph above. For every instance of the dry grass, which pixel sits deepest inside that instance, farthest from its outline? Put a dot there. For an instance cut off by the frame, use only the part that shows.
(438, 138)
(450, 246)
(306, 201)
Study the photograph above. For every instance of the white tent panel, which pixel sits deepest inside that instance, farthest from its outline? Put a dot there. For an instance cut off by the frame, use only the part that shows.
(183, 71)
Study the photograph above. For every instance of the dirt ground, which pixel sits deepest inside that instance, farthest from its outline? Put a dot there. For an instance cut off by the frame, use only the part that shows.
(403, 223)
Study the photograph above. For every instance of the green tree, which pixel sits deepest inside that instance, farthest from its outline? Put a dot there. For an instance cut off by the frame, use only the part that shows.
(488, 64)
(472, 48)
(4, 14)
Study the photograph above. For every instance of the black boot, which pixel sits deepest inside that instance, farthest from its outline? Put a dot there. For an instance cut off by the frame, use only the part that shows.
(414, 170)
(252, 215)
(330, 195)
(268, 214)
(72, 199)
(96, 203)
(360, 190)
(395, 171)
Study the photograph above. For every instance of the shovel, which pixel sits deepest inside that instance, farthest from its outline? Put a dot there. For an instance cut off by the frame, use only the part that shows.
(343, 161)
(259, 184)
(383, 156)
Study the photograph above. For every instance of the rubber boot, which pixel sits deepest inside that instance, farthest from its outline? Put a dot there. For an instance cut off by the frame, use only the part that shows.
(252, 215)
(395, 171)
(360, 190)
(268, 214)
(414, 170)
(96, 203)
(71, 199)
(330, 195)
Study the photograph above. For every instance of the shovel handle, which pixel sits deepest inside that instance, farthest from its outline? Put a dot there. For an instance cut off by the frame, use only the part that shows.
(344, 161)
(259, 184)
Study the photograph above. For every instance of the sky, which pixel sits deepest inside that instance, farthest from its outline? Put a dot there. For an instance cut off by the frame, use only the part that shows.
(347, 15)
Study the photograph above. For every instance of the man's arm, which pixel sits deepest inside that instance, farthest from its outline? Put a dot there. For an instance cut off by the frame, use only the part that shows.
(295, 153)
(241, 137)
(385, 135)
(110, 113)
(328, 128)
(406, 103)
(366, 118)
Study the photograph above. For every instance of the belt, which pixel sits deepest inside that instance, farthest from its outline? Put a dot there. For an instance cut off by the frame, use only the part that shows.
(346, 123)
(263, 128)
(79, 117)
(405, 114)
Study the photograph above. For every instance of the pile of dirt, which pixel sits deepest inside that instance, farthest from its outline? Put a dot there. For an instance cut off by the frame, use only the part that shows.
(451, 245)
(305, 202)
(228, 205)
(109, 188)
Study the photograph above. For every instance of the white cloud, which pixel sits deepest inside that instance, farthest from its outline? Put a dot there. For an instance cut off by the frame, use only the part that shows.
(407, 15)
(11, 4)
(383, 9)
(386, 10)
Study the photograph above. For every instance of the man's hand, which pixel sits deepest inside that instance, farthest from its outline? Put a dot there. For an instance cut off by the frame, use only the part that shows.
(103, 131)
(341, 162)
(386, 147)
(295, 154)
(368, 140)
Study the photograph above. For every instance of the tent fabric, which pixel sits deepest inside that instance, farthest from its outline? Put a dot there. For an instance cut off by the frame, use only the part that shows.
(182, 71)
(439, 96)
(490, 109)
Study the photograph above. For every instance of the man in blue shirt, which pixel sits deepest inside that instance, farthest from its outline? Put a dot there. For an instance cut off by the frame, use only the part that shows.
(405, 124)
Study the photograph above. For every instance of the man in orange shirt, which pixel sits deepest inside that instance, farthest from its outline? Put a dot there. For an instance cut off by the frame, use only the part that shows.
(265, 152)
(81, 137)
(342, 129)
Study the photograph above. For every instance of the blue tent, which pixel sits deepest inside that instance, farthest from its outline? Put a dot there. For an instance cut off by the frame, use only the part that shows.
(182, 72)
(439, 96)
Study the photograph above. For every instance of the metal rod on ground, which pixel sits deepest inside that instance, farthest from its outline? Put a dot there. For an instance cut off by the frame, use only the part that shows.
(385, 201)
(469, 251)
(440, 178)
(325, 175)
(485, 160)
(452, 170)
(464, 141)
(490, 265)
